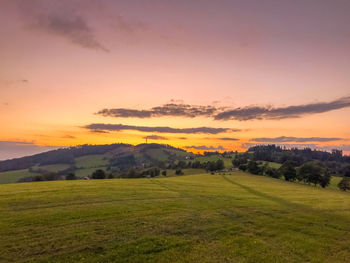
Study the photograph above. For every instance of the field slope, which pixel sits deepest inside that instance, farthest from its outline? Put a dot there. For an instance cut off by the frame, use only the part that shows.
(196, 218)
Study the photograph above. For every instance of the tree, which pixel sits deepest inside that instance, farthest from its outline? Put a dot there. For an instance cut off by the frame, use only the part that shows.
(71, 176)
(344, 184)
(219, 164)
(239, 160)
(242, 167)
(310, 172)
(288, 171)
(211, 166)
(253, 167)
(347, 171)
(179, 172)
(272, 172)
(98, 174)
(325, 179)
(314, 173)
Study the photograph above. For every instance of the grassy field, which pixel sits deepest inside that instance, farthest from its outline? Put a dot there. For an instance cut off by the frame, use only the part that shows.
(185, 171)
(53, 167)
(91, 161)
(13, 176)
(195, 218)
(211, 158)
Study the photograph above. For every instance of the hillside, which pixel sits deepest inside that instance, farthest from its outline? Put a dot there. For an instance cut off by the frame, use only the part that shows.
(199, 218)
(84, 160)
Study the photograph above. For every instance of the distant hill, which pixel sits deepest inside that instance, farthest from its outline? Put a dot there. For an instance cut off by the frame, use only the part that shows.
(84, 159)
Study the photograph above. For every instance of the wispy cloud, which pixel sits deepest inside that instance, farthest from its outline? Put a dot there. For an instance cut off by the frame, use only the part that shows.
(295, 139)
(171, 109)
(68, 137)
(120, 127)
(206, 148)
(223, 113)
(155, 137)
(273, 113)
(74, 29)
(228, 139)
(61, 19)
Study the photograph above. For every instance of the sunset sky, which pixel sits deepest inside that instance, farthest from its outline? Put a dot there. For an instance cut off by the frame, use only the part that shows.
(196, 74)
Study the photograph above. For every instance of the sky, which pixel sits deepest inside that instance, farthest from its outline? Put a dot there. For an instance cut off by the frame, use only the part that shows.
(195, 74)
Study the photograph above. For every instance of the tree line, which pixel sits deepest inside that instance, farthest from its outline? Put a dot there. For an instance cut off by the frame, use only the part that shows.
(311, 172)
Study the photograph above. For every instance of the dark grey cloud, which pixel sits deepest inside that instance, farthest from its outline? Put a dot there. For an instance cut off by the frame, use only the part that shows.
(98, 131)
(228, 139)
(223, 113)
(64, 19)
(295, 139)
(170, 109)
(182, 138)
(16, 149)
(206, 148)
(120, 127)
(271, 113)
(155, 137)
(74, 29)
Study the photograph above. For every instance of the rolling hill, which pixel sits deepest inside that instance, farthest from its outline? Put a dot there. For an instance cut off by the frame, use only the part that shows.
(84, 160)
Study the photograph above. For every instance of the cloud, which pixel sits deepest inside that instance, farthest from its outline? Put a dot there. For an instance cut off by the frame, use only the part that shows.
(182, 138)
(16, 149)
(206, 148)
(120, 127)
(223, 113)
(68, 137)
(74, 29)
(295, 139)
(271, 113)
(155, 137)
(60, 19)
(228, 139)
(170, 109)
(98, 131)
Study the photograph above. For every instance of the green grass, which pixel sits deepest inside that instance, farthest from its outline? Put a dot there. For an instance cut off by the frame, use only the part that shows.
(53, 167)
(91, 161)
(196, 218)
(190, 171)
(211, 158)
(80, 173)
(273, 164)
(158, 154)
(14, 176)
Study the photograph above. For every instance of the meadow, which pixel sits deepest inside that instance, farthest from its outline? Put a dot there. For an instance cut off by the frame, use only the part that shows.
(235, 217)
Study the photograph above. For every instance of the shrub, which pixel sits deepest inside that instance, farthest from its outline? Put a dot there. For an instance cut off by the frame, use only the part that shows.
(242, 167)
(179, 172)
(164, 173)
(98, 174)
(253, 167)
(272, 172)
(71, 176)
(344, 184)
(288, 171)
